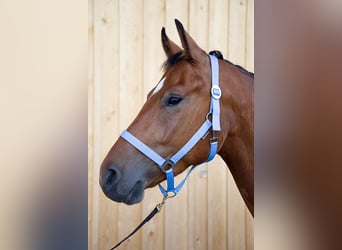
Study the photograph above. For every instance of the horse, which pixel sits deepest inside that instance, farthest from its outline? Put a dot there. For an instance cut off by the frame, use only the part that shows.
(176, 109)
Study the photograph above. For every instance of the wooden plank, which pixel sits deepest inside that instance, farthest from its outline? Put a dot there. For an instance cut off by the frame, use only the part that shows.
(130, 101)
(197, 207)
(250, 36)
(176, 9)
(236, 217)
(249, 230)
(105, 111)
(197, 211)
(217, 169)
(218, 26)
(91, 213)
(96, 125)
(130, 60)
(153, 53)
(237, 31)
(153, 56)
(217, 204)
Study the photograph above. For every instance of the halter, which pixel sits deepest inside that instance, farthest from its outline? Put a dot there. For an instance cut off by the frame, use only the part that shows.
(201, 133)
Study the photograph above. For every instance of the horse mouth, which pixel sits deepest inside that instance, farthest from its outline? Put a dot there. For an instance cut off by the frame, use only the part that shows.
(136, 194)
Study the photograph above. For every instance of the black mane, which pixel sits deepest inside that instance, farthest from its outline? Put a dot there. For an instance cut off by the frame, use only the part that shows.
(179, 56)
(241, 69)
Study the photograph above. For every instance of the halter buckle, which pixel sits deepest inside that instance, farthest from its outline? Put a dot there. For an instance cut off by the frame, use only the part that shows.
(213, 139)
(216, 92)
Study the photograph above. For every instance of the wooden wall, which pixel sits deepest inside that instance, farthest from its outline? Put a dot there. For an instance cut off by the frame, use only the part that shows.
(125, 63)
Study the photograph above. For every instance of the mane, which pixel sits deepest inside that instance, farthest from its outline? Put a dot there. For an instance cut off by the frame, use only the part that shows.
(241, 69)
(179, 56)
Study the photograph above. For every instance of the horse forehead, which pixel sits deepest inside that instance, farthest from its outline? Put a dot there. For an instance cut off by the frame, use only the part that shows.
(172, 80)
(173, 77)
(159, 86)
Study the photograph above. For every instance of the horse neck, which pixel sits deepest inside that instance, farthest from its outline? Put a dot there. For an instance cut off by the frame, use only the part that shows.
(237, 122)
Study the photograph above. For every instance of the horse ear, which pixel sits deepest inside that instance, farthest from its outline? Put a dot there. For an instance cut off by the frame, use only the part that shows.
(190, 46)
(169, 47)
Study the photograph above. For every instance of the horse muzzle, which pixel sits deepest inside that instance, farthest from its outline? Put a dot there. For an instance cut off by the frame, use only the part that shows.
(119, 190)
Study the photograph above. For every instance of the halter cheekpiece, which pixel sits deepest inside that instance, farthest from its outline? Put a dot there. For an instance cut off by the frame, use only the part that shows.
(201, 133)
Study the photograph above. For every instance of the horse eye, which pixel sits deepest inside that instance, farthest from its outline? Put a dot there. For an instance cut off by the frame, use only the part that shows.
(173, 100)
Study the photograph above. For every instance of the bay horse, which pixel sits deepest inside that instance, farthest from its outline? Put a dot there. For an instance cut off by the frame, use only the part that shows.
(174, 112)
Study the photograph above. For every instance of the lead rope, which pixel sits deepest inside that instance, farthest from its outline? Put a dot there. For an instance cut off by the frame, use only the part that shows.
(156, 210)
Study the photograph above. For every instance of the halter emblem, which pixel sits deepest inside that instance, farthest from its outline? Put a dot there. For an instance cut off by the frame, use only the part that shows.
(216, 92)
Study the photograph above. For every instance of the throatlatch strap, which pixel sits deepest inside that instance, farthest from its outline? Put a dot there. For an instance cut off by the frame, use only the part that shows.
(192, 142)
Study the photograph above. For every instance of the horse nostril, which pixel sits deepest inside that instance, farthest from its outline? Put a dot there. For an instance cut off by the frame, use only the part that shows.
(112, 176)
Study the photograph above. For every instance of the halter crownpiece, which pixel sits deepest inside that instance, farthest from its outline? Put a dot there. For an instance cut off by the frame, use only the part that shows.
(214, 112)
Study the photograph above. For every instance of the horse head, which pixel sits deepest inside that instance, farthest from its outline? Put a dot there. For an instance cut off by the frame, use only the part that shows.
(172, 113)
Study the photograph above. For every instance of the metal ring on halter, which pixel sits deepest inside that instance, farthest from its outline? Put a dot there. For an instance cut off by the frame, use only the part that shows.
(171, 194)
(165, 163)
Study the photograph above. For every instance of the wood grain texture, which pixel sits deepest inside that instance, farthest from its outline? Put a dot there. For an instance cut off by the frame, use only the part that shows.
(125, 56)
(197, 199)
(217, 170)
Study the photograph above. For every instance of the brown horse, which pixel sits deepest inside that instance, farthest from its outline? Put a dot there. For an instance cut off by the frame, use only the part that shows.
(172, 114)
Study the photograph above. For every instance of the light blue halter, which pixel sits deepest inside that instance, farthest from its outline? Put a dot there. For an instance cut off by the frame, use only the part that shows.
(201, 133)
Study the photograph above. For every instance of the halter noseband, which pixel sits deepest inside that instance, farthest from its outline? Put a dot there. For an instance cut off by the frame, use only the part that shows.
(201, 133)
